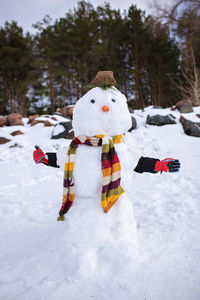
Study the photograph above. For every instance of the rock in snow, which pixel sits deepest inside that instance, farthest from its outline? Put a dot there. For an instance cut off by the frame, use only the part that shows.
(14, 119)
(63, 130)
(184, 106)
(3, 121)
(160, 120)
(17, 132)
(4, 140)
(189, 127)
(134, 124)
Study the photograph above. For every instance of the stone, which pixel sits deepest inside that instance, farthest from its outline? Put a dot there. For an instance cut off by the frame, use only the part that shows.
(179, 103)
(63, 130)
(31, 118)
(3, 140)
(35, 122)
(172, 116)
(54, 119)
(14, 119)
(3, 121)
(46, 123)
(159, 120)
(189, 127)
(184, 106)
(66, 110)
(15, 146)
(134, 124)
(17, 132)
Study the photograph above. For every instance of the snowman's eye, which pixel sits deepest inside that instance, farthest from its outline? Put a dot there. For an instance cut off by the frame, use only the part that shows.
(92, 101)
(113, 100)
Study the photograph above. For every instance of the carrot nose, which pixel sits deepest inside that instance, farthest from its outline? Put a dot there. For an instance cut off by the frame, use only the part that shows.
(105, 108)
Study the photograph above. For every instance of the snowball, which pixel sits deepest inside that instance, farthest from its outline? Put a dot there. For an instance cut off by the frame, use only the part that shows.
(89, 119)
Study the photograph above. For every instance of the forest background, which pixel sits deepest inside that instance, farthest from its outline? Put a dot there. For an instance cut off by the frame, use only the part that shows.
(155, 60)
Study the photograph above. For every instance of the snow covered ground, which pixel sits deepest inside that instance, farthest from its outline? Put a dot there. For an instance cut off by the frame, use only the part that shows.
(36, 261)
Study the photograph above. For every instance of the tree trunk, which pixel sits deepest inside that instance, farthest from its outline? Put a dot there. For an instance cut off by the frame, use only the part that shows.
(86, 72)
(51, 89)
(150, 90)
(155, 103)
(160, 89)
(142, 102)
(69, 90)
(63, 90)
(125, 88)
(23, 105)
(76, 88)
(76, 92)
(10, 92)
(136, 76)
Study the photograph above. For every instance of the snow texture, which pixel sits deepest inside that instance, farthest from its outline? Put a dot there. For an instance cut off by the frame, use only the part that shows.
(82, 258)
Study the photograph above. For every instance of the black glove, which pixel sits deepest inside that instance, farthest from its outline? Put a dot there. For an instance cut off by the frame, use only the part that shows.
(174, 165)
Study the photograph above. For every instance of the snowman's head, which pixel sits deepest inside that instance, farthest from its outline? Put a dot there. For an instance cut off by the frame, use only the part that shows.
(101, 111)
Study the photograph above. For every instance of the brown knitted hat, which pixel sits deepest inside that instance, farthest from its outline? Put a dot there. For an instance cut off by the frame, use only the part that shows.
(103, 79)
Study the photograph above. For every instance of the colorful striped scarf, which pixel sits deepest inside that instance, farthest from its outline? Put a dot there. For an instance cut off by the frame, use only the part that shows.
(111, 169)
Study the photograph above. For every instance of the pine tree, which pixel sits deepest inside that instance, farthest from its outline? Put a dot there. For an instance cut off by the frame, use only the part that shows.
(162, 64)
(137, 36)
(15, 67)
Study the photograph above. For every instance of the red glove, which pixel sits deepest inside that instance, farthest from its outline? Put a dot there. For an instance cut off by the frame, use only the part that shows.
(39, 157)
(167, 165)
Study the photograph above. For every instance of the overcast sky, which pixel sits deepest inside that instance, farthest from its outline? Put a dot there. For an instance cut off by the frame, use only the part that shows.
(28, 12)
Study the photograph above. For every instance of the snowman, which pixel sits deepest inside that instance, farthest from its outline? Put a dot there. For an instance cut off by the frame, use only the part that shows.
(98, 165)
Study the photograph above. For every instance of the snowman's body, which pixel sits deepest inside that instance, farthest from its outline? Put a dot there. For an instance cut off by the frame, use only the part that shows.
(96, 235)
(89, 120)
